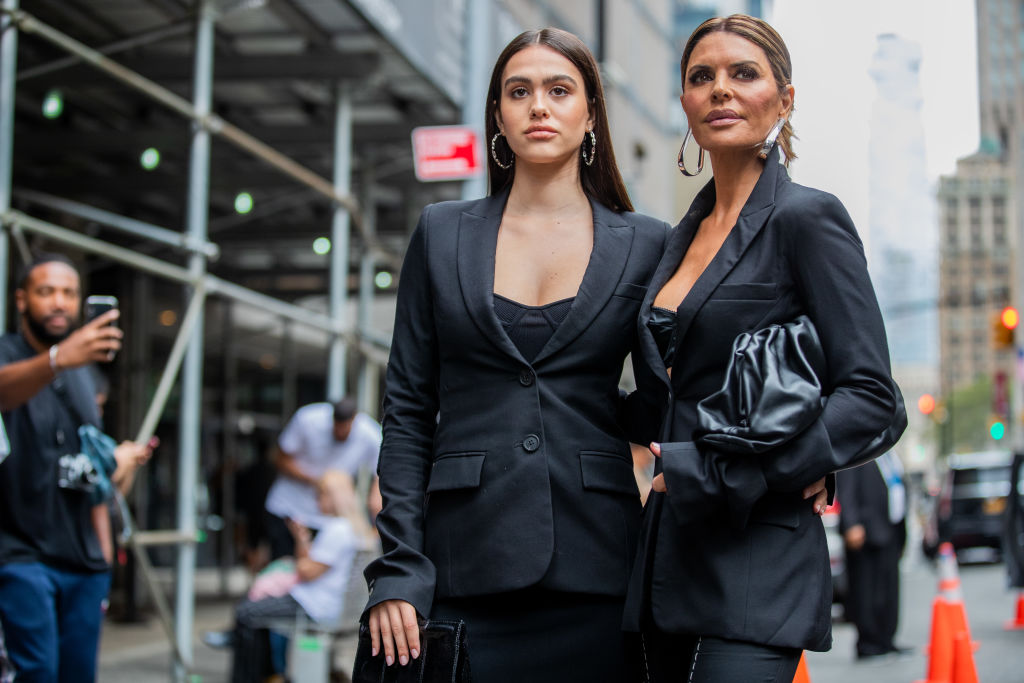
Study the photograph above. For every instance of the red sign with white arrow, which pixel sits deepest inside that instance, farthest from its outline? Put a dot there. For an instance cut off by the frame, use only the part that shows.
(446, 152)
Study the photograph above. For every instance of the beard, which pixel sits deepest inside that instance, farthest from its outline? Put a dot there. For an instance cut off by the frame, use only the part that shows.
(42, 335)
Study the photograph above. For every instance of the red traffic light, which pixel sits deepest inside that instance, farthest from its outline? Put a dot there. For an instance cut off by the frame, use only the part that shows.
(926, 404)
(1009, 317)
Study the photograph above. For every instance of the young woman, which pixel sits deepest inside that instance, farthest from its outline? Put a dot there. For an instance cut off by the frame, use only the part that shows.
(507, 481)
(733, 571)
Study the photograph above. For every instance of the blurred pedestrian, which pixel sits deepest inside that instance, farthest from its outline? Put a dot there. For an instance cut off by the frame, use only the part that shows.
(319, 437)
(733, 576)
(53, 572)
(515, 313)
(317, 589)
(872, 520)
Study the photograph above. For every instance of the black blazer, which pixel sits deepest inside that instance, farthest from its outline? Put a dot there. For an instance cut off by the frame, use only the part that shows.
(732, 550)
(864, 499)
(487, 459)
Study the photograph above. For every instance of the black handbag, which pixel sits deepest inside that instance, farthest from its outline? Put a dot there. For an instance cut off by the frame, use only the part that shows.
(772, 393)
(444, 657)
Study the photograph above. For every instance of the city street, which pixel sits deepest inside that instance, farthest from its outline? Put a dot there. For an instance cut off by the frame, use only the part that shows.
(138, 653)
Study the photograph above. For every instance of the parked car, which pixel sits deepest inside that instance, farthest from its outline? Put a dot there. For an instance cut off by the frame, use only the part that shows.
(836, 552)
(971, 502)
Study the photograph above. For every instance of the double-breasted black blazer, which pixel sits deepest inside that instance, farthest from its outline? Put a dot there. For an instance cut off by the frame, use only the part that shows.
(732, 550)
(498, 473)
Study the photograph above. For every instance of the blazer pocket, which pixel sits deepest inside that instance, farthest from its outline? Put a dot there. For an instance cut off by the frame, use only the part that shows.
(610, 472)
(776, 513)
(631, 291)
(758, 291)
(456, 471)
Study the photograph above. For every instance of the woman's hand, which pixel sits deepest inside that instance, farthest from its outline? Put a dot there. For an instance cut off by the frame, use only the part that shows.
(393, 623)
(658, 483)
(818, 492)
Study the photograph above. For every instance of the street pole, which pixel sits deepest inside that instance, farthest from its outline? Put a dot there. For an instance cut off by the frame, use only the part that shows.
(474, 95)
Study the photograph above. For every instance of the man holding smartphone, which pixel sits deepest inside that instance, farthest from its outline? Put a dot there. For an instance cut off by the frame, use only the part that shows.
(53, 573)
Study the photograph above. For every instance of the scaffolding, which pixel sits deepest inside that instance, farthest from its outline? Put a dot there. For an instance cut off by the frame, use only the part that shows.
(186, 355)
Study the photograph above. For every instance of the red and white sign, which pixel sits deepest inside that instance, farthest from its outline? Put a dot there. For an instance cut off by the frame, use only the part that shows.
(446, 152)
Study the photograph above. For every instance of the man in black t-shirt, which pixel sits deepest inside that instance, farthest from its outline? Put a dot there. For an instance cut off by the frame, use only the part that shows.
(53, 574)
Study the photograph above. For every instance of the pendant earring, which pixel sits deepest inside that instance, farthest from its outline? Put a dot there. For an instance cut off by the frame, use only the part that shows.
(494, 154)
(769, 141)
(593, 148)
(682, 152)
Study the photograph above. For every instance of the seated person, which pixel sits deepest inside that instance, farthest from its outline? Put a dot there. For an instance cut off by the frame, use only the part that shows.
(322, 568)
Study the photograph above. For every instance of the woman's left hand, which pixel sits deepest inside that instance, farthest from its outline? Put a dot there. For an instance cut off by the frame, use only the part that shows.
(658, 483)
(819, 493)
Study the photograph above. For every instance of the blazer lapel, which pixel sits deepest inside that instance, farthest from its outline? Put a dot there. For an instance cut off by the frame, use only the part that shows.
(752, 218)
(478, 242)
(613, 237)
(679, 241)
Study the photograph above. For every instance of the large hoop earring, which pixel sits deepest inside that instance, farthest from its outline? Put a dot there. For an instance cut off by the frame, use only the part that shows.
(769, 141)
(593, 148)
(682, 164)
(494, 154)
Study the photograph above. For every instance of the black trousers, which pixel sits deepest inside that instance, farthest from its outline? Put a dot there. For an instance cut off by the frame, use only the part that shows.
(873, 602)
(674, 658)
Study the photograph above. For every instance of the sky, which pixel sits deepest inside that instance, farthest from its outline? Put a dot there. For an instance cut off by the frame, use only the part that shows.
(832, 43)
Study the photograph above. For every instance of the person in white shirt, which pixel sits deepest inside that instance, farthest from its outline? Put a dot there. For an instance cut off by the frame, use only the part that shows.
(322, 567)
(319, 437)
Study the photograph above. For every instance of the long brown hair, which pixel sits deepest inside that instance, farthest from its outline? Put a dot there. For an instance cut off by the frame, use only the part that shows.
(601, 180)
(762, 34)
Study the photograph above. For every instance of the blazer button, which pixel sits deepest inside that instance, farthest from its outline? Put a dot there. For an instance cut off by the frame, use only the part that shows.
(526, 377)
(531, 443)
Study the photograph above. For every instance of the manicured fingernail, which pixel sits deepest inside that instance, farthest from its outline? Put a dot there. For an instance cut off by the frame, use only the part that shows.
(415, 654)
(374, 651)
(817, 509)
(389, 659)
(404, 660)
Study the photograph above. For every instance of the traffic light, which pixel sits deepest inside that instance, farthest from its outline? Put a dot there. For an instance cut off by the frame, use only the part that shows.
(1003, 326)
(997, 429)
(926, 404)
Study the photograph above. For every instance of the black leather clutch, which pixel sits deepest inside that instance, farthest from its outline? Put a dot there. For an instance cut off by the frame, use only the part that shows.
(443, 658)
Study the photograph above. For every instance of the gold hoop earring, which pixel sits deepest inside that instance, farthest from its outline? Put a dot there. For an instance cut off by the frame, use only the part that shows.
(769, 141)
(682, 152)
(494, 153)
(593, 148)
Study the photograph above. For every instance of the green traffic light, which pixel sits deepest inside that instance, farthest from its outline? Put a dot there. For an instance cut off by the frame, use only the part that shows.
(997, 431)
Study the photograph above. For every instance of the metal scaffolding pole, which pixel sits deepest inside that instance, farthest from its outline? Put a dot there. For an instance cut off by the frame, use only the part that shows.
(210, 122)
(8, 61)
(131, 226)
(340, 237)
(189, 425)
(366, 392)
(477, 57)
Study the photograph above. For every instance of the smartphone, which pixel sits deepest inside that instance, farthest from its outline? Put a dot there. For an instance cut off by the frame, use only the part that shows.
(97, 305)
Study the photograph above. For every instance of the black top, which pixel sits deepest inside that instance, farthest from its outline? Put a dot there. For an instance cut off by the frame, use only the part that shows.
(530, 327)
(40, 522)
(662, 324)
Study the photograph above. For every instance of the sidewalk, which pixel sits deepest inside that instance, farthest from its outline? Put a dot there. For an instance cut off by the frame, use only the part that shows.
(140, 652)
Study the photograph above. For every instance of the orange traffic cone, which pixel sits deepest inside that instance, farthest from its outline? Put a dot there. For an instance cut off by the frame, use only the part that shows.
(964, 670)
(949, 618)
(801, 671)
(949, 590)
(940, 650)
(1018, 621)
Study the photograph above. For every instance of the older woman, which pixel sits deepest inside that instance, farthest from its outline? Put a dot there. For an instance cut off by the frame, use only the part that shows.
(733, 570)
